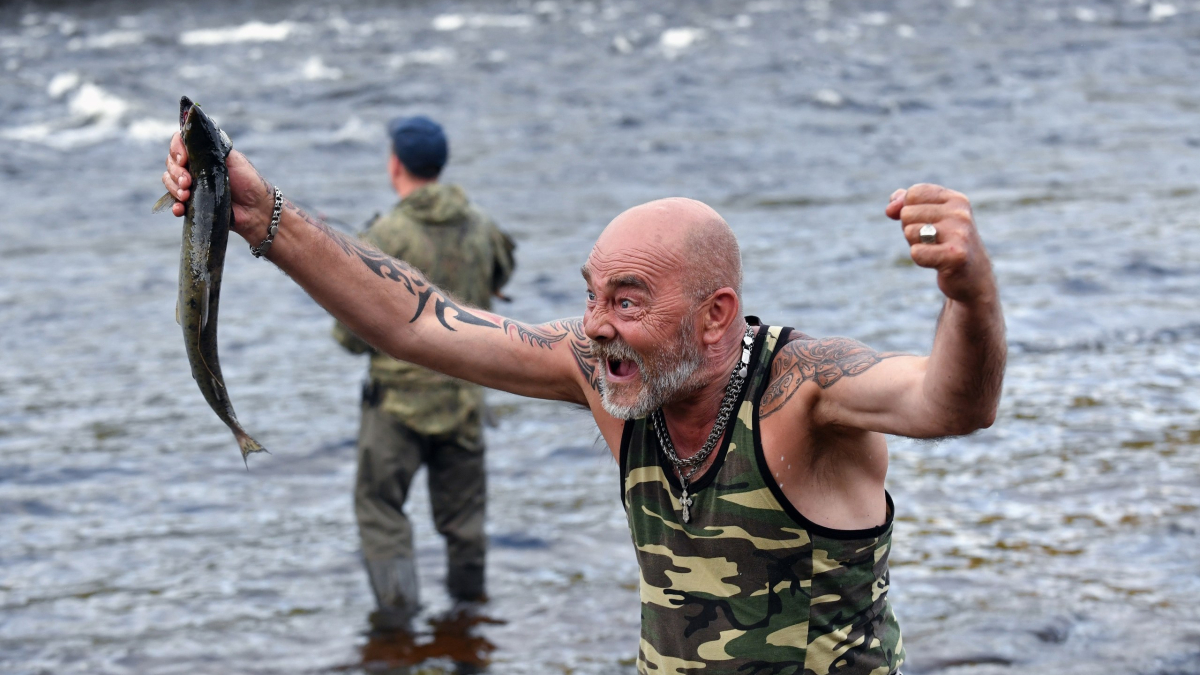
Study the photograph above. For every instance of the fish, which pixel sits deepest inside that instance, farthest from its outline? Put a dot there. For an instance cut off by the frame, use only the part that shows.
(202, 260)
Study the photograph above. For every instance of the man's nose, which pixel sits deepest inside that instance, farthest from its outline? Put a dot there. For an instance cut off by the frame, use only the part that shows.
(596, 327)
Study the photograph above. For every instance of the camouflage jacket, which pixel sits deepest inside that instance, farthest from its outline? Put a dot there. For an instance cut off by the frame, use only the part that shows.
(749, 586)
(463, 252)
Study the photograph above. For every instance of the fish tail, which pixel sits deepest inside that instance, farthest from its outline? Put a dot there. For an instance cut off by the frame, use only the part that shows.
(248, 445)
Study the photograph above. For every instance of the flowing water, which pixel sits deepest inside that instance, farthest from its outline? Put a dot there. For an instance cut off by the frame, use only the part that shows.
(132, 539)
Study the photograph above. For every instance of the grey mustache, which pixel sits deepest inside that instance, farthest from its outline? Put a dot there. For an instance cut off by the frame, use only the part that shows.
(617, 350)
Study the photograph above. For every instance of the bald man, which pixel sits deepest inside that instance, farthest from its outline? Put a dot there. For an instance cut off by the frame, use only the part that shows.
(752, 457)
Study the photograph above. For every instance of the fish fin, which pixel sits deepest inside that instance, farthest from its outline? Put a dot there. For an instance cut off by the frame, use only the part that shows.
(248, 445)
(177, 313)
(163, 203)
(204, 307)
(226, 144)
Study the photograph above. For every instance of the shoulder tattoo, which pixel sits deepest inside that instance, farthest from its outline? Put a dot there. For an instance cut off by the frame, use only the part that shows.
(547, 335)
(824, 361)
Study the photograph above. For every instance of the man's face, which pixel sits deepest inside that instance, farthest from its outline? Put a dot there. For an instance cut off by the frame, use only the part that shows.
(642, 329)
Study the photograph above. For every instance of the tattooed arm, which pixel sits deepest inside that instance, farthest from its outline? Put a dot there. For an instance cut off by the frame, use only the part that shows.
(393, 307)
(953, 391)
(844, 383)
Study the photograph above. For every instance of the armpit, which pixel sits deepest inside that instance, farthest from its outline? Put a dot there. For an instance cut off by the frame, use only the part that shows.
(824, 361)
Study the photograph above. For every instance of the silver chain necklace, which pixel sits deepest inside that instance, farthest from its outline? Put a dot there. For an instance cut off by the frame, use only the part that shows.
(688, 467)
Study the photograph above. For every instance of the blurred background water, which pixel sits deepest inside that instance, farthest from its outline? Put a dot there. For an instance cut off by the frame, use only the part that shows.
(1062, 540)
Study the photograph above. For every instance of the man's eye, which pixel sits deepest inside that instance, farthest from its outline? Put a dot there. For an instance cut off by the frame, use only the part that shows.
(625, 304)
(591, 296)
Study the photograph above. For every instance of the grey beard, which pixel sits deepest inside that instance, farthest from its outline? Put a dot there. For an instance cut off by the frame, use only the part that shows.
(662, 384)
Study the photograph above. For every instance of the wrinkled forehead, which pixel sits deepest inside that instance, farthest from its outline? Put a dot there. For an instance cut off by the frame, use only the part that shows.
(646, 266)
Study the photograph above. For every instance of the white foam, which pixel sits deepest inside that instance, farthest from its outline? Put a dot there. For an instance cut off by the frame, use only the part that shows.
(68, 27)
(675, 40)
(152, 130)
(315, 69)
(355, 130)
(93, 103)
(30, 133)
(1162, 10)
(340, 24)
(829, 97)
(62, 83)
(874, 19)
(424, 57)
(197, 71)
(109, 40)
(95, 116)
(60, 138)
(906, 31)
(1086, 14)
(500, 21)
(449, 22)
(253, 31)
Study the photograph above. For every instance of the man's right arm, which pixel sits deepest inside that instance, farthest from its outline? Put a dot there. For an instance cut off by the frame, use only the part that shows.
(393, 307)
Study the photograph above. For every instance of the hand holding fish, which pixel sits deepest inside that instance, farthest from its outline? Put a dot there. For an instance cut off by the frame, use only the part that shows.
(251, 193)
(205, 196)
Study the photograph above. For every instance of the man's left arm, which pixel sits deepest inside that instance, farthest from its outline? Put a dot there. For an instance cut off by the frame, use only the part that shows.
(956, 389)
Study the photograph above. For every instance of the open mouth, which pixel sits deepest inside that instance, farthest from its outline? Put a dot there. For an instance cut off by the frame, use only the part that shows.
(185, 111)
(621, 370)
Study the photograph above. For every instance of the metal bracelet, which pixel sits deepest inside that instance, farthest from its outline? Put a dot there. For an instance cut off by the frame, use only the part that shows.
(261, 250)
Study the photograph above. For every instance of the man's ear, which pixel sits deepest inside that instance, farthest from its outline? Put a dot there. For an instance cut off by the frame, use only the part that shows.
(718, 314)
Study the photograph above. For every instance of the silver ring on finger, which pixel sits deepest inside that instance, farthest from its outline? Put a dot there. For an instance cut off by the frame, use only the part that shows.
(928, 234)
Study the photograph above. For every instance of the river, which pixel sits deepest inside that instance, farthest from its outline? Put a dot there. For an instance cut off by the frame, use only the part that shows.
(132, 540)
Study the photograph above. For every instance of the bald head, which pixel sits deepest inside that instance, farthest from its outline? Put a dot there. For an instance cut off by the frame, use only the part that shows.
(688, 237)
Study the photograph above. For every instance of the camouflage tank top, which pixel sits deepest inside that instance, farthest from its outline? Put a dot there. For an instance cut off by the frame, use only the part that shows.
(750, 586)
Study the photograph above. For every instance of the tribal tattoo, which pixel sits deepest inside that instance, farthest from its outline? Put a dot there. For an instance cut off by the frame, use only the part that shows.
(545, 335)
(536, 336)
(392, 269)
(824, 361)
(441, 303)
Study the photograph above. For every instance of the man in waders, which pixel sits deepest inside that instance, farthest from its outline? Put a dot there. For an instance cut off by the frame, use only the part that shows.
(752, 457)
(412, 416)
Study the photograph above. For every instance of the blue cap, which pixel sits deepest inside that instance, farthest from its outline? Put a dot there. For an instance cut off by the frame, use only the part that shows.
(419, 144)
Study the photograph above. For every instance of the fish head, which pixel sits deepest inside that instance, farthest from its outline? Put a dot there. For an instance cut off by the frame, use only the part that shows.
(201, 134)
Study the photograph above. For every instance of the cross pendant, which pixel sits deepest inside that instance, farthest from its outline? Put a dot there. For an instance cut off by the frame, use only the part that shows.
(685, 501)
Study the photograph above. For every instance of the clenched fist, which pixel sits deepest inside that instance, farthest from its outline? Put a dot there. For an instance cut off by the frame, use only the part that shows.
(962, 263)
